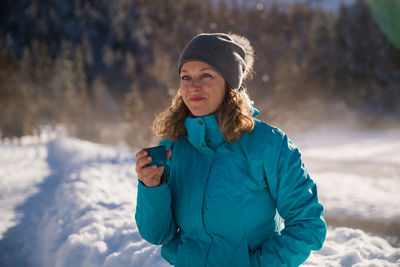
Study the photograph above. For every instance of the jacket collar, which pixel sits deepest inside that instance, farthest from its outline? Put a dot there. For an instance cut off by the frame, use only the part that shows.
(204, 133)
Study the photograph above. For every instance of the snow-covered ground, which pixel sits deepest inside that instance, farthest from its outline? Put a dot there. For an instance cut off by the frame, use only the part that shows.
(358, 176)
(68, 202)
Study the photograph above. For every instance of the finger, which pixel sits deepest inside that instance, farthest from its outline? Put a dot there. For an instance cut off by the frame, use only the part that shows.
(140, 164)
(149, 173)
(160, 171)
(141, 154)
(169, 153)
(145, 172)
(152, 181)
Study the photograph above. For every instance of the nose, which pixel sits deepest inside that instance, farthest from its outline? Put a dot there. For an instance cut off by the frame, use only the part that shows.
(194, 84)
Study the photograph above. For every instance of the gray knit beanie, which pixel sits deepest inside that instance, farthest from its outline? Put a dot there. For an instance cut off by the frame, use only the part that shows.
(231, 55)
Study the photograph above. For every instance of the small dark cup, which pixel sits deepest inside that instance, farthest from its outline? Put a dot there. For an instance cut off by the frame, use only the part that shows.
(158, 155)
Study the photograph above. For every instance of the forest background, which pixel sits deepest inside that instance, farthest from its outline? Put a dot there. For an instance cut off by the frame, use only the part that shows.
(103, 69)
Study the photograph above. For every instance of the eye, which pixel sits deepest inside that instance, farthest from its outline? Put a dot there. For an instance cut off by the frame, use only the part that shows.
(185, 78)
(206, 75)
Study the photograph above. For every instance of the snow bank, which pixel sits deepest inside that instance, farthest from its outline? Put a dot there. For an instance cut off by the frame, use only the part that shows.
(22, 168)
(351, 247)
(91, 221)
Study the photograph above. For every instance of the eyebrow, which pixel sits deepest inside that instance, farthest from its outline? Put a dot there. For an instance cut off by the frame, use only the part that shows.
(203, 69)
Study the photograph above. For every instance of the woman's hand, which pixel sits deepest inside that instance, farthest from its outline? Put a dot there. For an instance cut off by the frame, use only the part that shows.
(149, 176)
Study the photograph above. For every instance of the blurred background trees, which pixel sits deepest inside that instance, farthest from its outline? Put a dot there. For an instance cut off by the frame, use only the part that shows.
(105, 68)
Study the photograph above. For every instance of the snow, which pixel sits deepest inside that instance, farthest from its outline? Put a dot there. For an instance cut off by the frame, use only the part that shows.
(338, 194)
(68, 202)
(353, 247)
(358, 176)
(351, 146)
(16, 182)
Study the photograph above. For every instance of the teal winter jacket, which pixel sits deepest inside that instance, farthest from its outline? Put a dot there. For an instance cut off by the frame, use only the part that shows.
(249, 203)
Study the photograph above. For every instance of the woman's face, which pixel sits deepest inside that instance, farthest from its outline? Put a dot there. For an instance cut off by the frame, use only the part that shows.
(203, 88)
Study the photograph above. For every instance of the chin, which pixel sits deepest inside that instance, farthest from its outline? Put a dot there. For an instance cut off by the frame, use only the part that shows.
(200, 113)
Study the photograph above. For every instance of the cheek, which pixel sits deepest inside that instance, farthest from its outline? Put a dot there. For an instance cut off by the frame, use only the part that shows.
(220, 97)
(184, 96)
(183, 92)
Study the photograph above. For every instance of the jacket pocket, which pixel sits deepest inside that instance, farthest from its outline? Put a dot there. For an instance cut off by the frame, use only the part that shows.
(177, 252)
(169, 251)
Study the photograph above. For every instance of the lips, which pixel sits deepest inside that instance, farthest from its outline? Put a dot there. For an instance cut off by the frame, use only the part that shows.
(196, 98)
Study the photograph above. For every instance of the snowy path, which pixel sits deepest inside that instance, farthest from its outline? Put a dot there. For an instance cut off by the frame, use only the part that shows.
(78, 201)
(21, 168)
(83, 214)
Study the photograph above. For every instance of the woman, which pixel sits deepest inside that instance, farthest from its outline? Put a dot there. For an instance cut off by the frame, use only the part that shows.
(229, 178)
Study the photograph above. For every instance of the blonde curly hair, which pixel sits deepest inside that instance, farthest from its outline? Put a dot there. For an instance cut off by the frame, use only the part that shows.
(234, 116)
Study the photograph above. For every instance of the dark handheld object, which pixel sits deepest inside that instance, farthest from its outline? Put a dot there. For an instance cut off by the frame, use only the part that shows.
(158, 155)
